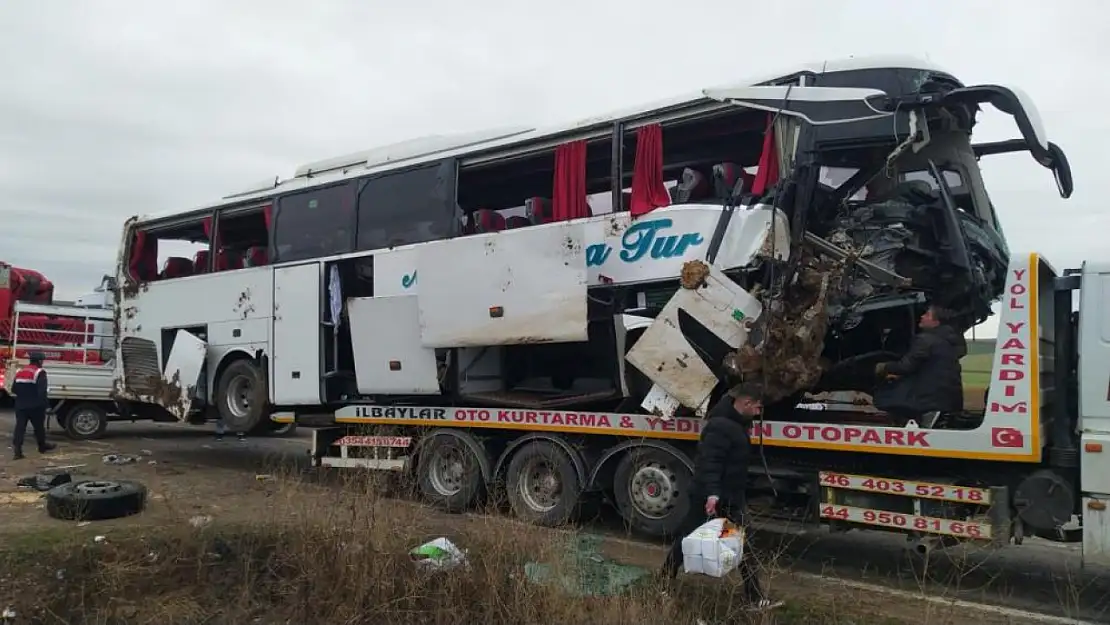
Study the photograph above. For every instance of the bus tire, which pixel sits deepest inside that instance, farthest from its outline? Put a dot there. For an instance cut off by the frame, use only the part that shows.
(95, 500)
(241, 396)
(543, 486)
(449, 475)
(651, 491)
(84, 421)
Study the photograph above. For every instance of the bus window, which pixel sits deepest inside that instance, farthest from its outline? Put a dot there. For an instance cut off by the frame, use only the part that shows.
(407, 207)
(172, 251)
(244, 234)
(315, 223)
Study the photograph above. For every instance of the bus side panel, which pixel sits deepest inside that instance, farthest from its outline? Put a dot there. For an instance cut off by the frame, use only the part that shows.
(504, 288)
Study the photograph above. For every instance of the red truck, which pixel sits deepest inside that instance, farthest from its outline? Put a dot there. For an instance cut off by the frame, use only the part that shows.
(30, 286)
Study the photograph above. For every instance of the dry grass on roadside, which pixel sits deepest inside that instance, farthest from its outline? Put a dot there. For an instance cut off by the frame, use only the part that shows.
(339, 556)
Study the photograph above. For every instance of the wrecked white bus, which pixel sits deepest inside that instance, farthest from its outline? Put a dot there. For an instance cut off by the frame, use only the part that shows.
(557, 307)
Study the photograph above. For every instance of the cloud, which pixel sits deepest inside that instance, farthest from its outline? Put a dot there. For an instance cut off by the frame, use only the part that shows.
(112, 109)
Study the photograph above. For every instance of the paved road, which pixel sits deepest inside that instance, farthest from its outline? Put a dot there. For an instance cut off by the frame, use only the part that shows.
(1038, 576)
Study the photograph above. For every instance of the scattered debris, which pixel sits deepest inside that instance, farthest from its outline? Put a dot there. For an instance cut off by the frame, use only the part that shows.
(43, 482)
(100, 540)
(264, 477)
(201, 520)
(438, 555)
(584, 572)
(120, 459)
(694, 273)
(8, 615)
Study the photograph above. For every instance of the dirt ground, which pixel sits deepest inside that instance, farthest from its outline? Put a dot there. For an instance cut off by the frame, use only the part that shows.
(194, 480)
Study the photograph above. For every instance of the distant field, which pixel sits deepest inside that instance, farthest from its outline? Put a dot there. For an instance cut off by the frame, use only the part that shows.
(977, 371)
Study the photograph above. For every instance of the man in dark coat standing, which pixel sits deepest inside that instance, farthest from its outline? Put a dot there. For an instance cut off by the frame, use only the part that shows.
(30, 388)
(928, 379)
(720, 481)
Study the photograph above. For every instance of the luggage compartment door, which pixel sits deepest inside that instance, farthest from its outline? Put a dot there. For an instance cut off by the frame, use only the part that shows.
(504, 288)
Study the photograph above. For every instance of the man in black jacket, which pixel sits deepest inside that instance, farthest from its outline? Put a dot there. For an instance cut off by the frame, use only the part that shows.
(928, 379)
(720, 481)
(30, 387)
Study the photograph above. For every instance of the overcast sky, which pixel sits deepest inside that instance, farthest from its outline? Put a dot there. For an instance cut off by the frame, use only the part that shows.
(109, 109)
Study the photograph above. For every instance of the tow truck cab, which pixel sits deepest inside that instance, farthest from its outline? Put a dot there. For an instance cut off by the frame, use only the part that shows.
(1088, 390)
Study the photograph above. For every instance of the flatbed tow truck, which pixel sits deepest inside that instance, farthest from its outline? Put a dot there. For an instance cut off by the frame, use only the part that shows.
(1034, 462)
(554, 309)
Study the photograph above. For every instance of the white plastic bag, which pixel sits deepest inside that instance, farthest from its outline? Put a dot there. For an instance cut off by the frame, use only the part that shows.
(439, 554)
(713, 549)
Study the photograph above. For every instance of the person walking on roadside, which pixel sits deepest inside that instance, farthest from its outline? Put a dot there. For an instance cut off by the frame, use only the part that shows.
(30, 387)
(720, 481)
(221, 429)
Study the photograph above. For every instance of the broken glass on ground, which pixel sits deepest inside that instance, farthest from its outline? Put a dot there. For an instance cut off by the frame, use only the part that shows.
(584, 572)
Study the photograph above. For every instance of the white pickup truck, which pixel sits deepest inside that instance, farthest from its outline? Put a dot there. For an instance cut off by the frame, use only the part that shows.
(77, 343)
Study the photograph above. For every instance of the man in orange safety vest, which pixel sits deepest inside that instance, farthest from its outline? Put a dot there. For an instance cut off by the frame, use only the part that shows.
(30, 388)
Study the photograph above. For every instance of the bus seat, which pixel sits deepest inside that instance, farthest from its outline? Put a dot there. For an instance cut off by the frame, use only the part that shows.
(693, 187)
(200, 262)
(538, 210)
(516, 221)
(257, 256)
(177, 267)
(486, 220)
(725, 178)
(228, 259)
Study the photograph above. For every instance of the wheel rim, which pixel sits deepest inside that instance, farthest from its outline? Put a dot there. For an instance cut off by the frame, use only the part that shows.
(445, 471)
(653, 490)
(98, 487)
(85, 422)
(540, 486)
(239, 396)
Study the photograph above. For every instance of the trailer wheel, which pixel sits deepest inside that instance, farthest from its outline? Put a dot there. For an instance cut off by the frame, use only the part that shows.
(241, 396)
(85, 421)
(449, 475)
(543, 486)
(94, 500)
(651, 488)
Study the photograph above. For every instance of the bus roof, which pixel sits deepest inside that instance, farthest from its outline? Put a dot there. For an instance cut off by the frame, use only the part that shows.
(435, 147)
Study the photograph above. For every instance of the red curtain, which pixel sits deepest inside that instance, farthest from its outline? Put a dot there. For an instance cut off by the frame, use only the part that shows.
(768, 173)
(268, 215)
(569, 187)
(648, 190)
(144, 257)
(208, 228)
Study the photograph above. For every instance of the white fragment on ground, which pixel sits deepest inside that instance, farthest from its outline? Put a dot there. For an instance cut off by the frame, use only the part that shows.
(200, 520)
(119, 459)
(100, 540)
(438, 555)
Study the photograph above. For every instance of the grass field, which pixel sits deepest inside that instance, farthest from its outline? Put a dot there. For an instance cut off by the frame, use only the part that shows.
(977, 363)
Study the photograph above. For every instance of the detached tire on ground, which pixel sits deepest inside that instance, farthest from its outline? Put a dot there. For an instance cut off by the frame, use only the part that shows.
(542, 485)
(85, 421)
(449, 475)
(651, 489)
(95, 500)
(241, 396)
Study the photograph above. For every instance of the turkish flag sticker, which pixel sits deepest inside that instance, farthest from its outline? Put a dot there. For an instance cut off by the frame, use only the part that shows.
(1007, 437)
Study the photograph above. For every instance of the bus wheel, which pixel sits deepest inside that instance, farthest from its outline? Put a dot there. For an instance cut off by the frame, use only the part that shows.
(241, 396)
(543, 486)
(85, 422)
(449, 475)
(651, 487)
